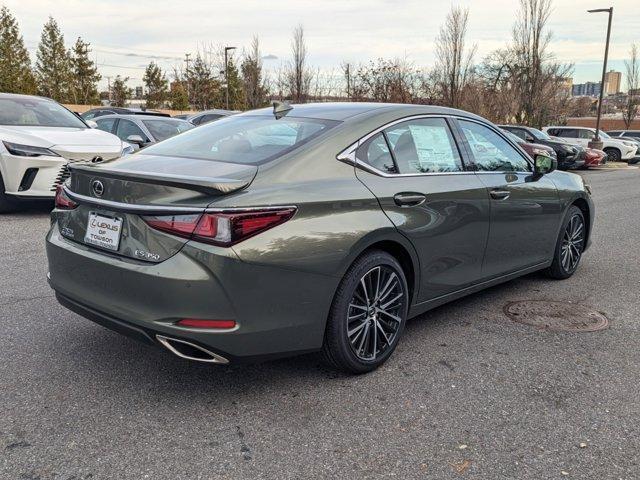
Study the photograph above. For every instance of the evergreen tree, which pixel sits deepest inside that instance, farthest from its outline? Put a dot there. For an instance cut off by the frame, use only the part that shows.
(236, 90)
(156, 83)
(120, 92)
(178, 96)
(53, 65)
(255, 89)
(16, 75)
(203, 88)
(85, 75)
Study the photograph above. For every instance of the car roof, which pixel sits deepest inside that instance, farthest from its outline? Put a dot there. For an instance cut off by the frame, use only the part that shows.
(19, 95)
(344, 111)
(216, 111)
(140, 117)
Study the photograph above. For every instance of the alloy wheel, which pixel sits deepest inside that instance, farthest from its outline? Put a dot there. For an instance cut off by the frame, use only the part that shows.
(375, 313)
(572, 243)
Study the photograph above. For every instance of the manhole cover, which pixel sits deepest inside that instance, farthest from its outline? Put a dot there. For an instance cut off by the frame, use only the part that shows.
(556, 316)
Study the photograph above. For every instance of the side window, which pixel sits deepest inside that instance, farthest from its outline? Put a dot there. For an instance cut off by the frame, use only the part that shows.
(568, 133)
(106, 124)
(126, 128)
(424, 145)
(210, 117)
(588, 134)
(89, 116)
(519, 132)
(375, 152)
(491, 152)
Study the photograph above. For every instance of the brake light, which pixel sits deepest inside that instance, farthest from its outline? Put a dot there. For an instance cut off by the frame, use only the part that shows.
(224, 228)
(62, 201)
(198, 323)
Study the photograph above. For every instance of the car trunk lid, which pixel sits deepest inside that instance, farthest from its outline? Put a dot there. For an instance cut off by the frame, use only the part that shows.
(113, 197)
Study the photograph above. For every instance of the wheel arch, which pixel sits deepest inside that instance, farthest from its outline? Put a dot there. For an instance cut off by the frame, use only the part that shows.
(583, 205)
(398, 247)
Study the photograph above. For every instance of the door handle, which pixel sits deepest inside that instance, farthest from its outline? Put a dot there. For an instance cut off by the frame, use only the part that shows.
(499, 194)
(409, 199)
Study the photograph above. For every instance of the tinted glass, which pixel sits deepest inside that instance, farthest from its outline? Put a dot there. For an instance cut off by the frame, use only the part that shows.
(210, 117)
(539, 134)
(517, 132)
(491, 152)
(163, 129)
(631, 134)
(243, 139)
(588, 134)
(616, 133)
(375, 152)
(424, 146)
(567, 133)
(32, 111)
(106, 124)
(126, 128)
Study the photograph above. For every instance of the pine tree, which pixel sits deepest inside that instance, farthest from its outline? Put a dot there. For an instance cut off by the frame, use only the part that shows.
(120, 92)
(203, 88)
(85, 76)
(178, 96)
(255, 89)
(16, 75)
(155, 82)
(236, 90)
(53, 65)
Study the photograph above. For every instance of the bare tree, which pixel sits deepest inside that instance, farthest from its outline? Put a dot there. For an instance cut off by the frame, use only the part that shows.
(298, 74)
(453, 59)
(633, 87)
(386, 81)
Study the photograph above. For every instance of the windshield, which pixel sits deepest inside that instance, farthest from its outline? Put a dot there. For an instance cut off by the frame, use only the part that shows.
(604, 135)
(243, 139)
(37, 112)
(512, 137)
(539, 134)
(162, 129)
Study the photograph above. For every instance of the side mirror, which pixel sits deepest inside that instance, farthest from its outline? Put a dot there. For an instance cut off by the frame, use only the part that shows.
(135, 139)
(91, 123)
(543, 164)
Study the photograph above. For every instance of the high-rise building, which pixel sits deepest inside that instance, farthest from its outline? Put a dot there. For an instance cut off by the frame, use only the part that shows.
(612, 80)
(588, 89)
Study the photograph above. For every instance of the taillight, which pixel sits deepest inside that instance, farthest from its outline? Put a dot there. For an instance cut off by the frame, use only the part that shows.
(201, 323)
(62, 201)
(224, 228)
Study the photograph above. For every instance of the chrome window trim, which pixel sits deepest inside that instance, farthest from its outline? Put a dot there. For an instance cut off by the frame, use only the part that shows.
(348, 155)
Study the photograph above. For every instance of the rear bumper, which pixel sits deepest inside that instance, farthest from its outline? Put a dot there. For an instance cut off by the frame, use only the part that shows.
(278, 312)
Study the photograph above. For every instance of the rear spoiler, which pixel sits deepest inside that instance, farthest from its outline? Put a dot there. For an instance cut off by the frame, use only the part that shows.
(206, 185)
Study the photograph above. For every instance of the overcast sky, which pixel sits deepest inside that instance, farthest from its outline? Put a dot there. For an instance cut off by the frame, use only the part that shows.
(126, 35)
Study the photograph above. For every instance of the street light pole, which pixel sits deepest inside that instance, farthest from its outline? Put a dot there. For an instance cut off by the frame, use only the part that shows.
(597, 142)
(226, 74)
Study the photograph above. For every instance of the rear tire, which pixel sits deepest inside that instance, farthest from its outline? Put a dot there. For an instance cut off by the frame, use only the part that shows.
(570, 245)
(614, 154)
(7, 204)
(368, 314)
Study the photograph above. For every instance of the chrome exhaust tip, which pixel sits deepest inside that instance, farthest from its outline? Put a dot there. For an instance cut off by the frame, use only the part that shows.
(189, 351)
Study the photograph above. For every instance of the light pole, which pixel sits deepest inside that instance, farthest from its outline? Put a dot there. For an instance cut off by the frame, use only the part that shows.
(226, 74)
(596, 142)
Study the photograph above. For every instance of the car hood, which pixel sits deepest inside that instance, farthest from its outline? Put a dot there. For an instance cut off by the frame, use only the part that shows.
(48, 137)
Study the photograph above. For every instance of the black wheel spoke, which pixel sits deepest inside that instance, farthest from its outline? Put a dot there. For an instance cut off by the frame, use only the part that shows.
(572, 243)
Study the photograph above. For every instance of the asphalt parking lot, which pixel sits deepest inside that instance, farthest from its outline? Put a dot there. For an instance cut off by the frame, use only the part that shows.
(467, 394)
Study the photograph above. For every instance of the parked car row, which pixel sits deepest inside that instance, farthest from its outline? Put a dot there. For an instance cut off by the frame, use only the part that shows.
(617, 149)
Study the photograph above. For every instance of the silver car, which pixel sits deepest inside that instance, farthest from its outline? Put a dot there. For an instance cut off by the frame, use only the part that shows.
(142, 130)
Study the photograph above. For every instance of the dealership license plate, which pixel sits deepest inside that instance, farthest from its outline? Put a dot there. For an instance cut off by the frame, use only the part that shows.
(103, 231)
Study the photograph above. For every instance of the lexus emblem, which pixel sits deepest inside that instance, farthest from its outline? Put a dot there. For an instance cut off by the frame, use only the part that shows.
(97, 187)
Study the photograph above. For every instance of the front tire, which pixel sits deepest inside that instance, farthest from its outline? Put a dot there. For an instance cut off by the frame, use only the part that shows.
(569, 246)
(368, 314)
(7, 204)
(614, 154)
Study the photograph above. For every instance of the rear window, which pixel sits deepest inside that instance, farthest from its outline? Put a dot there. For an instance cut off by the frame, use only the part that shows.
(243, 139)
(163, 129)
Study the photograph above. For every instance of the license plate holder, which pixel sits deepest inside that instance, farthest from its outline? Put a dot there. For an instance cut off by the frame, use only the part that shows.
(103, 231)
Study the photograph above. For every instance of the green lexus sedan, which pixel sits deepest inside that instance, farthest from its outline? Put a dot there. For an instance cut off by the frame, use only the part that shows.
(318, 227)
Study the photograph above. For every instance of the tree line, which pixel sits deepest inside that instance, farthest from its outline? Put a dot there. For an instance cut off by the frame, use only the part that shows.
(521, 82)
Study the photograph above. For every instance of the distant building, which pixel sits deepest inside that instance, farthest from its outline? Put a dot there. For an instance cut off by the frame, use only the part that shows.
(612, 80)
(588, 89)
(139, 93)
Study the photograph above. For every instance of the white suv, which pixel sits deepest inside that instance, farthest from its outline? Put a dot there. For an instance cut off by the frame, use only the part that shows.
(38, 139)
(616, 148)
